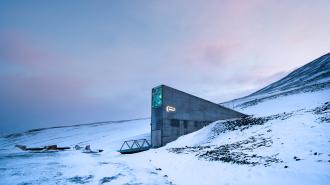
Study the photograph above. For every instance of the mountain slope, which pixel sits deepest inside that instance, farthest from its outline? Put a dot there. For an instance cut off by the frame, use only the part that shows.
(314, 76)
(286, 141)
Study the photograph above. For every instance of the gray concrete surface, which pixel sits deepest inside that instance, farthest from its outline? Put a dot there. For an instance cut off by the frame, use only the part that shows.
(191, 114)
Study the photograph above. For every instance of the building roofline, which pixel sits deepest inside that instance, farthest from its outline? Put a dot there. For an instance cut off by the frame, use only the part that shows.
(162, 85)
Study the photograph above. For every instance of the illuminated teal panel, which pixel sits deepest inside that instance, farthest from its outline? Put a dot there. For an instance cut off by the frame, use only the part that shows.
(157, 97)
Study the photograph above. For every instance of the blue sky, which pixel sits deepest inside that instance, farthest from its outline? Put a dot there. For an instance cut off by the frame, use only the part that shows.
(69, 62)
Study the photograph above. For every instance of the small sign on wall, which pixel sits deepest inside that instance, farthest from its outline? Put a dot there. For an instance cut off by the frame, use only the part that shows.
(170, 109)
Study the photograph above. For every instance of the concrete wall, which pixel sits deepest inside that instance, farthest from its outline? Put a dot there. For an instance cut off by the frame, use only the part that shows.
(191, 114)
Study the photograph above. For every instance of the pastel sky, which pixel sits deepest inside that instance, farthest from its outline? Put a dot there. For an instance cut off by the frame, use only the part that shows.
(70, 62)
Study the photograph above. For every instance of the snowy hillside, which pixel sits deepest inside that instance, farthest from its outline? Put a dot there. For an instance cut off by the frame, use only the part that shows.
(285, 141)
(314, 76)
(288, 143)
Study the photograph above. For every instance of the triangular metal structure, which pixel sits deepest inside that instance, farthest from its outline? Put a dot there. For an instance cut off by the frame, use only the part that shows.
(134, 146)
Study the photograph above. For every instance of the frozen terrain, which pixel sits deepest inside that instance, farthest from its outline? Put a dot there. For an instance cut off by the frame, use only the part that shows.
(286, 140)
(314, 76)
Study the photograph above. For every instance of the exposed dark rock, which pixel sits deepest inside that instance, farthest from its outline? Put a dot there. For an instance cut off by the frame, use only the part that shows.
(103, 163)
(109, 179)
(187, 150)
(296, 158)
(238, 124)
(233, 153)
(11, 136)
(324, 112)
(25, 183)
(81, 179)
(245, 123)
(325, 108)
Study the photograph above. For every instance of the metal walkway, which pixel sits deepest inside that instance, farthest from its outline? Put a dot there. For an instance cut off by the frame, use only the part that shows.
(134, 146)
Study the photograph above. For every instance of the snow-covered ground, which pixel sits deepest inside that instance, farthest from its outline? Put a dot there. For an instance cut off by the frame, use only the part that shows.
(286, 140)
(297, 139)
(293, 147)
(74, 167)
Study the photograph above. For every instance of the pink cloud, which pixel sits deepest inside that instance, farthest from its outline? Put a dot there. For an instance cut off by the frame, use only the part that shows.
(42, 89)
(217, 53)
(17, 48)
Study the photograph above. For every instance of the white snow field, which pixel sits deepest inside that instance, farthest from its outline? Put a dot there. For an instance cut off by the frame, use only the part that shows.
(285, 140)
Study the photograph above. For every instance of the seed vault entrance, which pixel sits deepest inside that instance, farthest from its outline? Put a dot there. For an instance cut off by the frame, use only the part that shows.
(175, 113)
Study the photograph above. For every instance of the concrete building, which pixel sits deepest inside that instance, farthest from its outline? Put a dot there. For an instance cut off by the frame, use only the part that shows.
(175, 113)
